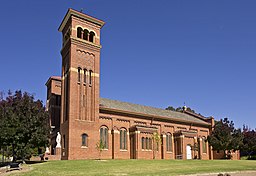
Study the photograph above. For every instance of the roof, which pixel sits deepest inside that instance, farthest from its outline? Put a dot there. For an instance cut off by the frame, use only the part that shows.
(58, 78)
(149, 111)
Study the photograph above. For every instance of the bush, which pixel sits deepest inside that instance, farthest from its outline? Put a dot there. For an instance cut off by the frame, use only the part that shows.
(252, 157)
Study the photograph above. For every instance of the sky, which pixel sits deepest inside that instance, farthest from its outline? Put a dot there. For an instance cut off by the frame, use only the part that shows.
(157, 53)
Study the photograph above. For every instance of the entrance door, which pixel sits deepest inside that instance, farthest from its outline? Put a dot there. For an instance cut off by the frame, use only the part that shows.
(189, 155)
(132, 147)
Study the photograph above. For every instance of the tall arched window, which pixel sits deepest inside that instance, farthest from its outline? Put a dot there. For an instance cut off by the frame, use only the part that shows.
(79, 32)
(104, 136)
(123, 139)
(169, 142)
(204, 144)
(85, 73)
(86, 35)
(91, 36)
(147, 143)
(85, 140)
(79, 74)
(150, 144)
(64, 141)
(143, 143)
(90, 77)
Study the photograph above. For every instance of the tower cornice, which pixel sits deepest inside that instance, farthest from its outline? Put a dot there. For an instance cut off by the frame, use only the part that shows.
(72, 12)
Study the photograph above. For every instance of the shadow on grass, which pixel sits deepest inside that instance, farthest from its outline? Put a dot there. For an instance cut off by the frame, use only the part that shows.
(34, 162)
(27, 162)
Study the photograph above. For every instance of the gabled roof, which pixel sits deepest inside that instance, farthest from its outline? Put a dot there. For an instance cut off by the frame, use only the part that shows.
(149, 111)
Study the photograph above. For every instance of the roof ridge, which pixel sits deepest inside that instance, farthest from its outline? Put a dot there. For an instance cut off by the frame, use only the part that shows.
(139, 105)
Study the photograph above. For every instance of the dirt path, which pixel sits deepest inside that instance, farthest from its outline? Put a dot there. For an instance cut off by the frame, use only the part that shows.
(24, 169)
(240, 173)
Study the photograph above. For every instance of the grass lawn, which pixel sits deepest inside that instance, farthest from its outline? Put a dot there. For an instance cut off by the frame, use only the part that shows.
(136, 167)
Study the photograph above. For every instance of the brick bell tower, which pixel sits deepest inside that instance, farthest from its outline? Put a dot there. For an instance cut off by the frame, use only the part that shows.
(80, 84)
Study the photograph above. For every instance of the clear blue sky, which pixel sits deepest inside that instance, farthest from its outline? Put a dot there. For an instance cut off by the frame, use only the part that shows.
(155, 53)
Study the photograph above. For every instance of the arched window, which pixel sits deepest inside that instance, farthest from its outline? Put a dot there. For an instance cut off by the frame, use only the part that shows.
(169, 142)
(85, 140)
(85, 73)
(123, 139)
(204, 144)
(79, 74)
(90, 77)
(79, 32)
(86, 35)
(104, 136)
(143, 143)
(64, 141)
(91, 37)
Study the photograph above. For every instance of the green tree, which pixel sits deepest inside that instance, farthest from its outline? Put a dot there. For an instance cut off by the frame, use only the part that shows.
(171, 108)
(23, 123)
(249, 141)
(191, 110)
(156, 143)
(225, 137)
(100, 146)
(179, 109)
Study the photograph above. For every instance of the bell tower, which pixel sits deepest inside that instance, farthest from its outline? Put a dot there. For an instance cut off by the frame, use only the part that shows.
(80, 78)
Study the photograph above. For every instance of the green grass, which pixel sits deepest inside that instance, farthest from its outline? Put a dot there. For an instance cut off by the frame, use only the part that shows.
(136, 167)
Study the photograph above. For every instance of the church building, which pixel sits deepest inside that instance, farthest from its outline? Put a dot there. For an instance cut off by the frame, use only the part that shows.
(91, 127)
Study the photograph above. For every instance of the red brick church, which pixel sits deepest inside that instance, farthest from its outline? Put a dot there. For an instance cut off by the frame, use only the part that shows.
(124, 130)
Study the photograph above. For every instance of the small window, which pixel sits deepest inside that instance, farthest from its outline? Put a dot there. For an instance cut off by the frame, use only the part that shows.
(85, 73)
(123, 139)
(91, 37)
(169, 142)
(90, 77)
(104, 136)
(146, 143)
(79, 75)
(85, 140)
(79, 32)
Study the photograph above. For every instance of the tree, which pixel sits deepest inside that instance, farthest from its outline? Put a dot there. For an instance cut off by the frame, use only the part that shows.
(100, 146)
(156, 141)
(195, 148)
(249, 141)
(24, 124)
(191, 110)
(225, 137)
(179, 109)
(171, 108)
